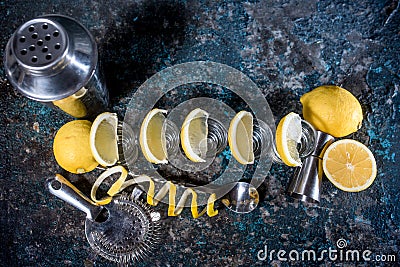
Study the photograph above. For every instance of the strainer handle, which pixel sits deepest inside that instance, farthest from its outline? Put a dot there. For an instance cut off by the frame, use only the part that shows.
(62, 188)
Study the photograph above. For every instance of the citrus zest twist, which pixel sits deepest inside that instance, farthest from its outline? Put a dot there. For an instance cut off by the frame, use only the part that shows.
(114, 189)
(152, 198)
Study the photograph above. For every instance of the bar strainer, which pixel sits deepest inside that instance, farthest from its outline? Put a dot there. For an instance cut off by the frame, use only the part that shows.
(124, 231)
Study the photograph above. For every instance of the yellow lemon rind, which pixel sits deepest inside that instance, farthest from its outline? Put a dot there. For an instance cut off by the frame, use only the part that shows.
(333, 110)
(72, 104)
(282, 141)
(63, 148)
(154, 198)
(115, 187)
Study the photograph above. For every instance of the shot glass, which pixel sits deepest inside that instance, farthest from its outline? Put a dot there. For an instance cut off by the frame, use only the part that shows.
(264, 141)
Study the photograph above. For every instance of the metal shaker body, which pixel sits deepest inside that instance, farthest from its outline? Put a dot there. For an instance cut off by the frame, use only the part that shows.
(54, 60)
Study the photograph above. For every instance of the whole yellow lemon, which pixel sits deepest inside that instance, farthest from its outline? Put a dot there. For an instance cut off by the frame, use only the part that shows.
(333, 110)
(71, 147)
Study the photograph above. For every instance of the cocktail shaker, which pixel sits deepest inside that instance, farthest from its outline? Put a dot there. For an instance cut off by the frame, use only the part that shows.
(54, 59)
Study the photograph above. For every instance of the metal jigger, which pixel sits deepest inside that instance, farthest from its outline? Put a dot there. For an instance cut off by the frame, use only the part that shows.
(306, 182)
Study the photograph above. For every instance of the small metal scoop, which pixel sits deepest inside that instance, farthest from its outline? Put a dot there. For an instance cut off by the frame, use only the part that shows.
(243, 198)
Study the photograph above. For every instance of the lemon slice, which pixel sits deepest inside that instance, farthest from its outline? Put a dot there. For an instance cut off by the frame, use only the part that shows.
(194, 133)
(152, 140)
(240, 137)
(349, 165)
(288, 135)
(103, 139)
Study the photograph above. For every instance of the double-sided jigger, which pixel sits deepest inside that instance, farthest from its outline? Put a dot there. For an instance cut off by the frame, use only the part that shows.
(306, 182)
(54, 60)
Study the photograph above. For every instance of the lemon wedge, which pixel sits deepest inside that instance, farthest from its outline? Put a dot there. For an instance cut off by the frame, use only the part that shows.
(152, 140)
(288, 135)
(103, 139)
(349, 165)
(240, 137)
(194, 133)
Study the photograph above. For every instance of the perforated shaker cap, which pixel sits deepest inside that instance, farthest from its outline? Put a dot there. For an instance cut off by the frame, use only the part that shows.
(50, 58)
(40, 43)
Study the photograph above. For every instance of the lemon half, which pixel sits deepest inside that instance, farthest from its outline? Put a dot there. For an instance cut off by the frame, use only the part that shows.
(194, 133)
(349, 165)
(152, 139)
(104, 139)
(288, 135)
(240, 137)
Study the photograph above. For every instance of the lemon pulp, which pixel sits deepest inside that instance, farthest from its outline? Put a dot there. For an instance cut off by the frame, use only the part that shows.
(240, 137)
(288, 134)
(194, 133)
(152, 139)
(349, 165)
(104, 139)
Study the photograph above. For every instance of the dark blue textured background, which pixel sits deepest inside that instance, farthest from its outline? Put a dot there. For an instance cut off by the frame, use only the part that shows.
(287, 48)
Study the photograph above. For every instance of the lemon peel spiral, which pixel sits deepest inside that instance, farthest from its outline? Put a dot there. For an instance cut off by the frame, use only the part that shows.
(153, 198)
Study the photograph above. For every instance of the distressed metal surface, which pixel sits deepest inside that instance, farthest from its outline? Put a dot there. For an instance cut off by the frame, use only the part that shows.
(287, 48)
